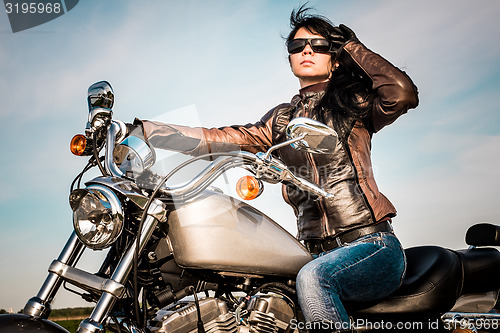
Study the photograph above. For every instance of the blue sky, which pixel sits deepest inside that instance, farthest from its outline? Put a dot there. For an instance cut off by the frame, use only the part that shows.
(226, 59)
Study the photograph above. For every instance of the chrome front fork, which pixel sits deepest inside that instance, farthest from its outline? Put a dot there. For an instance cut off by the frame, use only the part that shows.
(93, 324)
(39, 306)
(62, 270)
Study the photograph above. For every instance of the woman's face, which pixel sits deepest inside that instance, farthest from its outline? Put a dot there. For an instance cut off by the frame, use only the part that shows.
(308, 66)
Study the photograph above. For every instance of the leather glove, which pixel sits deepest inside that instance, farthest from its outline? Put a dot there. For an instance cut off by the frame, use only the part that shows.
(348, 34)
(135, 129)
(340, 36)
(345, 59)
(337, 39)
(130, 128)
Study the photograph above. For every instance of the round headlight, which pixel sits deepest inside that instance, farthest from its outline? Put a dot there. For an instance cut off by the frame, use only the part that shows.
(97, 216)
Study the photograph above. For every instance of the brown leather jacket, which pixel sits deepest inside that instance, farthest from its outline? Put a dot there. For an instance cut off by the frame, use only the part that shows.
(347, 173)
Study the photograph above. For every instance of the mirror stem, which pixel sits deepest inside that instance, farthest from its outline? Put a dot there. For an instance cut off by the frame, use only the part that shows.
(283, 144)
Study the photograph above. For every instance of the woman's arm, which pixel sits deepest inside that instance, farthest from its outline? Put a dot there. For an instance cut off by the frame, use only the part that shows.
(198, 140)
(395, 91)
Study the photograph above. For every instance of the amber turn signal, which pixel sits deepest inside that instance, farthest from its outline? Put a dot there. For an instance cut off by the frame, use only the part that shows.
(248, 187)
(79, 146)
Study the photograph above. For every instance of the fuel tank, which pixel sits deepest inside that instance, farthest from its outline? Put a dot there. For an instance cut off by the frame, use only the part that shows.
(217, 232)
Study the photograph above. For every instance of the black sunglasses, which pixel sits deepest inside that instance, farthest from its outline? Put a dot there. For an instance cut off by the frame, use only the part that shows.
(318, 45)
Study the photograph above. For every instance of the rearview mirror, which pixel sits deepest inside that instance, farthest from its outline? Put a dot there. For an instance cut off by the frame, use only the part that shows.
(100, 95)
(317, 138)
(100, 99)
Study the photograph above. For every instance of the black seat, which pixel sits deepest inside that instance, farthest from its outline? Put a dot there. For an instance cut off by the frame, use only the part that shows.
(483, 234)
(432, 284)
(481, 270)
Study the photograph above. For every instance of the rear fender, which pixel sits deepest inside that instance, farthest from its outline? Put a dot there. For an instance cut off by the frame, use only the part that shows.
(13, 323)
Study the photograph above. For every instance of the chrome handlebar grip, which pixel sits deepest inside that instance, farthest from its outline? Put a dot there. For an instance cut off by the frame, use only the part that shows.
(307, 186)
(275, 168)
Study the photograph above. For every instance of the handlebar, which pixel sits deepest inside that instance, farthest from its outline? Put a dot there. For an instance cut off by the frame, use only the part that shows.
(268, 165)
(270, 170)
(308, 186)
(114, 130)
(208, 175)
(262, 165)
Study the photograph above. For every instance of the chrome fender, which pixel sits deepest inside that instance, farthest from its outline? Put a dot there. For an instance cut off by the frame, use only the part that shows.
(12, 323)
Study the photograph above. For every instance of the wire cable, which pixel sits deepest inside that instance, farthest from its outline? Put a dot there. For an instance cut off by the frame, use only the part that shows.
(145, 213)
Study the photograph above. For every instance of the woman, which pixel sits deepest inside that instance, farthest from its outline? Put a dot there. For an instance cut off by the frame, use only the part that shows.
(357, 92)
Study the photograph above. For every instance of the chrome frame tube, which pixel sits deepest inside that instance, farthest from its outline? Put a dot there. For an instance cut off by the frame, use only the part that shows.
(39, 306)
(470, 315)
(120, 275)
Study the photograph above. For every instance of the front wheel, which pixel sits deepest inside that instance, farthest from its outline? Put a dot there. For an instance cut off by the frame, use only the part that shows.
(13, 323)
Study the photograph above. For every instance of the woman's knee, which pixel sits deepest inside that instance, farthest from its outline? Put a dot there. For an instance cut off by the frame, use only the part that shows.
(308, 277)
(306, 273)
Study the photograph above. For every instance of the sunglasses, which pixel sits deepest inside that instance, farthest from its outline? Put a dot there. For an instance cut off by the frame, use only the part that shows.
(318, 45)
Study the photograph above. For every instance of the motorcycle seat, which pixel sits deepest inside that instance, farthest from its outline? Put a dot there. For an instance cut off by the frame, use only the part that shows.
(481, 267)
(432, 283)
(483, 234)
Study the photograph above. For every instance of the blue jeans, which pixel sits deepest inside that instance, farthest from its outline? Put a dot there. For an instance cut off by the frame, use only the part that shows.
(370, 268)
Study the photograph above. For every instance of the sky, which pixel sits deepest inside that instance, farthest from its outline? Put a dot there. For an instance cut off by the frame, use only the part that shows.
(216, 63)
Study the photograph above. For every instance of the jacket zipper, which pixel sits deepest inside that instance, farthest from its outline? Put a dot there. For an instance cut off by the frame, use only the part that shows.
(324, 219)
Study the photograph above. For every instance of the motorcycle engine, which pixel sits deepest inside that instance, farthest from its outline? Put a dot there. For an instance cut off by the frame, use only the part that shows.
(262, 314)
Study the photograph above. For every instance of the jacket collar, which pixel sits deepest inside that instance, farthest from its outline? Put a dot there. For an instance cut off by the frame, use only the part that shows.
(313, 89)
(305, 93)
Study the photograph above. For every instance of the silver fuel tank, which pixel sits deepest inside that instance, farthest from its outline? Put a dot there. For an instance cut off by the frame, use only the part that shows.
(218, 232)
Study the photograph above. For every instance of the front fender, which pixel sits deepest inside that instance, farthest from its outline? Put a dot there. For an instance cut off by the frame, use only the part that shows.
(13, 323)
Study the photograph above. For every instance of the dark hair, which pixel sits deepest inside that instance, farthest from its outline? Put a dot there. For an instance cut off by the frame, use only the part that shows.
(348, 96)
(316, 24)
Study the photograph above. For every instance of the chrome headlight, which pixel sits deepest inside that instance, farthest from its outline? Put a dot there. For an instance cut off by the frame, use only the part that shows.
(97, 216)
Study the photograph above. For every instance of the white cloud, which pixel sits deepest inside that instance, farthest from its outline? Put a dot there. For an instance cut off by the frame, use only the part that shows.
(437, 204)
(444, 45)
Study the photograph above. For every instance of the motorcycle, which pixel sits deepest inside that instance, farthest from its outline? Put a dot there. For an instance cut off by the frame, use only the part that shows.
(189, 258)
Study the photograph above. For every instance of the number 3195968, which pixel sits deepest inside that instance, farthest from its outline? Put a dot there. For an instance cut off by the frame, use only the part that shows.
(32, 8)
